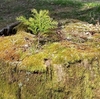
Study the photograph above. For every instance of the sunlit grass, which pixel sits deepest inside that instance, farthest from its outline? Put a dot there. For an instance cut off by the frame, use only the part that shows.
(91, 4)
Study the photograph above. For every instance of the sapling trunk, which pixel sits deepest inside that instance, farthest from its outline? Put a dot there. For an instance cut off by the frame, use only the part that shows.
(38, 40)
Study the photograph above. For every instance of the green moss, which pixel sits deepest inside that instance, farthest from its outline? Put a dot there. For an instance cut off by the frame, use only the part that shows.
(34, 62)
(10, 46)
(8, 91)
(80, 74)
(73, 70)
(59, 53)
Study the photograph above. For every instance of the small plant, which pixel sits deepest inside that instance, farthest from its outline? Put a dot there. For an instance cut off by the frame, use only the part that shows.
(40, 22)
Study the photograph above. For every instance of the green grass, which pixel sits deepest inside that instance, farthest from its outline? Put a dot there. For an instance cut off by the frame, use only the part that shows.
(73, 3)
(59, 9)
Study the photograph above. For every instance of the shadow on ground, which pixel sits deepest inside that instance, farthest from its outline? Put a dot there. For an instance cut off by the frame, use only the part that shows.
(10, 9)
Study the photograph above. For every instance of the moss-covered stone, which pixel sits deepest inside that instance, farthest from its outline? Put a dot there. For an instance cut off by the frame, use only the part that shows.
(56, 70)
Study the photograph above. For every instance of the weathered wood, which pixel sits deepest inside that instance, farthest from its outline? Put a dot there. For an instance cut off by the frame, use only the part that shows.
(9, 29)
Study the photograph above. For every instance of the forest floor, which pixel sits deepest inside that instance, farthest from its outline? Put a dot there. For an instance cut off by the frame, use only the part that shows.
(60, 10)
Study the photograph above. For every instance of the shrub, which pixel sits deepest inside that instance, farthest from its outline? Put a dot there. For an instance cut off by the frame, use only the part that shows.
(39, 22)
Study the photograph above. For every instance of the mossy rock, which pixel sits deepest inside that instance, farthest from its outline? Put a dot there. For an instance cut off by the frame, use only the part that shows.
(56, 70)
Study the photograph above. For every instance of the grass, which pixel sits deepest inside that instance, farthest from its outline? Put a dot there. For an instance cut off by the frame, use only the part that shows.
(59, 9)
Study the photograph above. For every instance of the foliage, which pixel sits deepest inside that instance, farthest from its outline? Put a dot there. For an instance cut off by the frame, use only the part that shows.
(34, 62)
(40, 22)
(74, 3)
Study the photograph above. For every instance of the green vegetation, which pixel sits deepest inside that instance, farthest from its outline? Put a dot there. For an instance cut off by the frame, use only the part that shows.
(74, 3)
(39, 22)
(75, 72)
(59, 9)
(66, 68)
